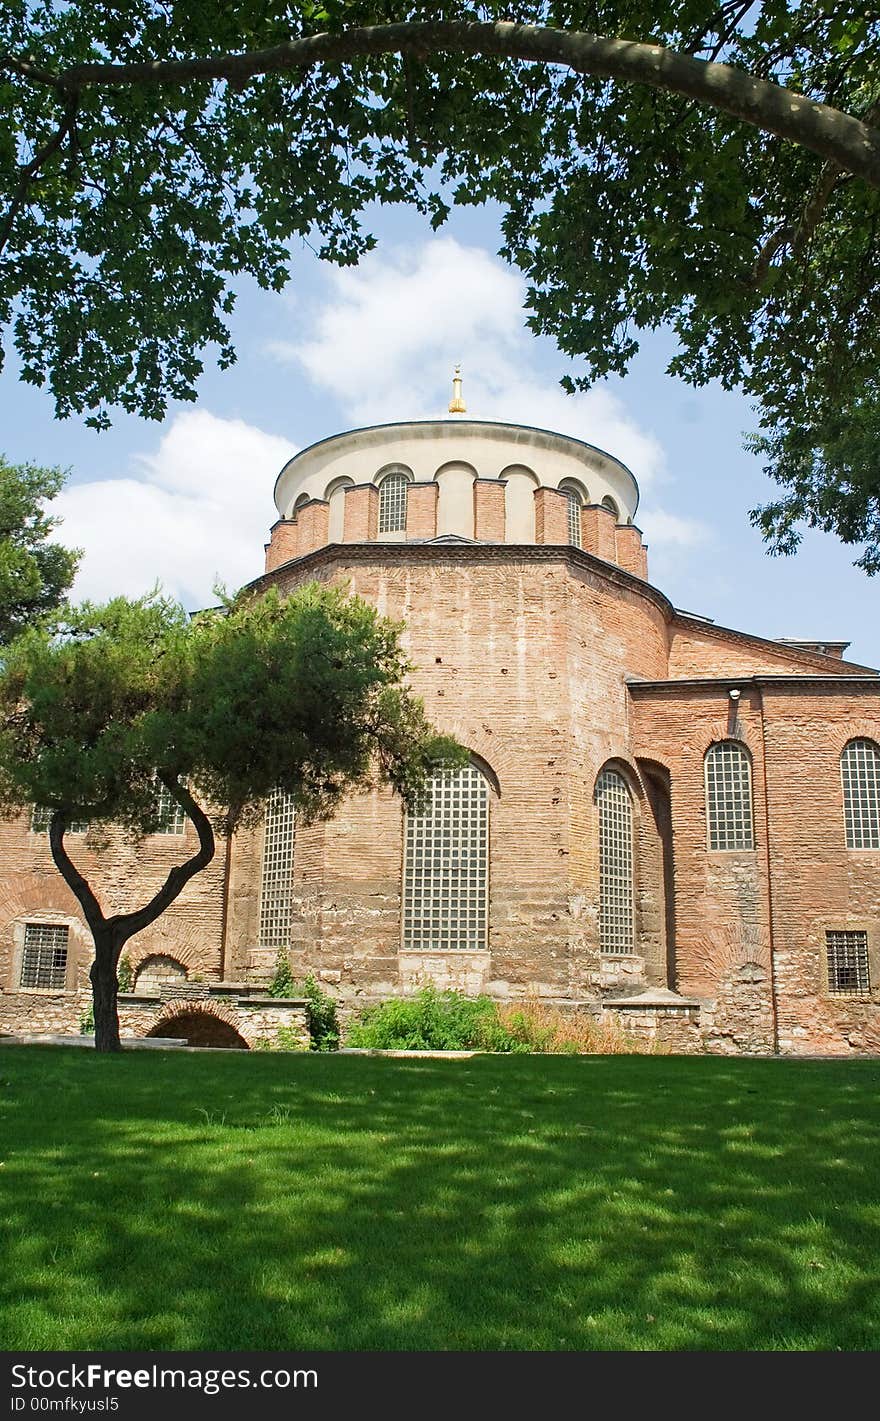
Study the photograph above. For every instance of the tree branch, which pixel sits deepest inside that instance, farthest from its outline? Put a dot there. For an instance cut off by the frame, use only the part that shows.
(127, 924)
(79, 886)
(824, 130)
(28, 173)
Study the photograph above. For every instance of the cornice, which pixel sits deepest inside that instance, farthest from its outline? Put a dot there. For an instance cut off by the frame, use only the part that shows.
(430, 551)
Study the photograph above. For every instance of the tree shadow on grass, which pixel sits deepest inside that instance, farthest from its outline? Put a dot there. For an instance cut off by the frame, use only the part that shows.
(286, 1202)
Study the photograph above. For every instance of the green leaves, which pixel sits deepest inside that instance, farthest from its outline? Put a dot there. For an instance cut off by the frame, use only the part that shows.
(34, 573)
(305, 694)
(127, 217)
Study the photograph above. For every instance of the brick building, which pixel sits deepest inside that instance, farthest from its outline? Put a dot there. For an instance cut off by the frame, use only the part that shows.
(666, 821)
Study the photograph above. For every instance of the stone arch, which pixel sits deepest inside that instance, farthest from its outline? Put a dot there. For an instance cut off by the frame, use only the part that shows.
(612, 506)
(217, 1025)
(300, 503)
(657, 861)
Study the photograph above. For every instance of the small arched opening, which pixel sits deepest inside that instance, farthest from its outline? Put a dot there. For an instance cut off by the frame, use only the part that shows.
(200, 1028)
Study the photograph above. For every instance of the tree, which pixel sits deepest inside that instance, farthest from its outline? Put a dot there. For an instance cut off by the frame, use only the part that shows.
(305, 694)
(34, 573)
(713, 165)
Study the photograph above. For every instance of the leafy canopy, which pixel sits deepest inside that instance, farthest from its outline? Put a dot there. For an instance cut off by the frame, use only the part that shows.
(710, 166)
(34, 573)
(305, 694)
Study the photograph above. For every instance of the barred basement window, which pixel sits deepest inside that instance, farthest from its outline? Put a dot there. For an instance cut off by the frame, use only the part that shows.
(446, 865)
(860, 772)
(40, 822)
(276, 888)
(172, 818)
(848, 974)
(615, 863)
(729, 796)
(44, 959)
(392, 503)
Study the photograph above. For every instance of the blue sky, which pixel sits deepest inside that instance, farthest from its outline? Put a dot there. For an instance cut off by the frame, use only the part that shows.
(189, 501)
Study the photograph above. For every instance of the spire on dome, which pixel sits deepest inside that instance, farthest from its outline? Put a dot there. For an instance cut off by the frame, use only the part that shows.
(457, 404)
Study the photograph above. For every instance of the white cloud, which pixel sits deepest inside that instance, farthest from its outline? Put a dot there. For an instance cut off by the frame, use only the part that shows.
(195, 511)
(671, 530)
(399, 320)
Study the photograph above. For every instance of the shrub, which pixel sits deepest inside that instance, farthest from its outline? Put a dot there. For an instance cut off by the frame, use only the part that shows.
(321, 1017)
(432, 1021)
(87, 1021)
(281, 983)
(449, 1021)
(124, 973)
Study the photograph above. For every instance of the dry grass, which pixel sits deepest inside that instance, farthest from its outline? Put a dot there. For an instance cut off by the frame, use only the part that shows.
(547, 1029)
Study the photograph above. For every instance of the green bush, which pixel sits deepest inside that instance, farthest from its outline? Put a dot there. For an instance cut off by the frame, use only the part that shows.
(87, 1021)
(434, 1021)
(321, 1017)
(124, 973)
(281, 983)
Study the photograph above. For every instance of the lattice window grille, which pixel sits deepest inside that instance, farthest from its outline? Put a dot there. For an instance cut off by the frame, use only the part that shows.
(574, 518)
(446, 865)
(276, 887)
(40, 817)
(44, 959)
(392, 503)
(848, 972)
(172, 817)
(729, 797)
(615, 863)
(860, 771)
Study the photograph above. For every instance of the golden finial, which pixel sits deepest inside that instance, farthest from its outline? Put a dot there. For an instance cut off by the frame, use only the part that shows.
(457, 404)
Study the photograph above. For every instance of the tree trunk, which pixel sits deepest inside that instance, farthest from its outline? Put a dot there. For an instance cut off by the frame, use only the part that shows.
(104, 991)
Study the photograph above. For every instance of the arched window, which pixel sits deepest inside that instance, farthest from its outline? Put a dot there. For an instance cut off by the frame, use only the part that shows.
(276, 886)
(615, 863)
(575, 502)
(860, 772)
(612, 507)
(446, 865)
(392, 502)
(301, 503)
(335, 496)
(729, 796)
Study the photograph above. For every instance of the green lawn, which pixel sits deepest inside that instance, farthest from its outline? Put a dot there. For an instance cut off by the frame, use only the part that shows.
(156, 1200)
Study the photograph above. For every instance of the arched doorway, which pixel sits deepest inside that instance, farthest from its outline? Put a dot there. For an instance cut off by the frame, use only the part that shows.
(200, 1028)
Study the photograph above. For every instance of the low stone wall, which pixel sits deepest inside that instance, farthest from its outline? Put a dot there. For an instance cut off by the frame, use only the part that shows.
(198, 1015)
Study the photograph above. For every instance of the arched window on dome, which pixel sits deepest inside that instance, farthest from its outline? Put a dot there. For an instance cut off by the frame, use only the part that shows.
(335, 496)
(860, 774)
(446, 865)
(729, 796)
(575, 496)
(392, 502)
(615, 862)
(301, 503)
(608, 502)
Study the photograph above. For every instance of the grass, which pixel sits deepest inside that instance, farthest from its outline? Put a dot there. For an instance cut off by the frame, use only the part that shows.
(243, 1201)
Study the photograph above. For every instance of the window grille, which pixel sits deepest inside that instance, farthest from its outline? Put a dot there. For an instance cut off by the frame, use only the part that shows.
(44, 960)
(848, 974)
(860, 771)
(40, 817)
(728, 796)
(172, 817)
(276, 888)
(574, 515)
(446, 865)
(392, 503)
(615, 863)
